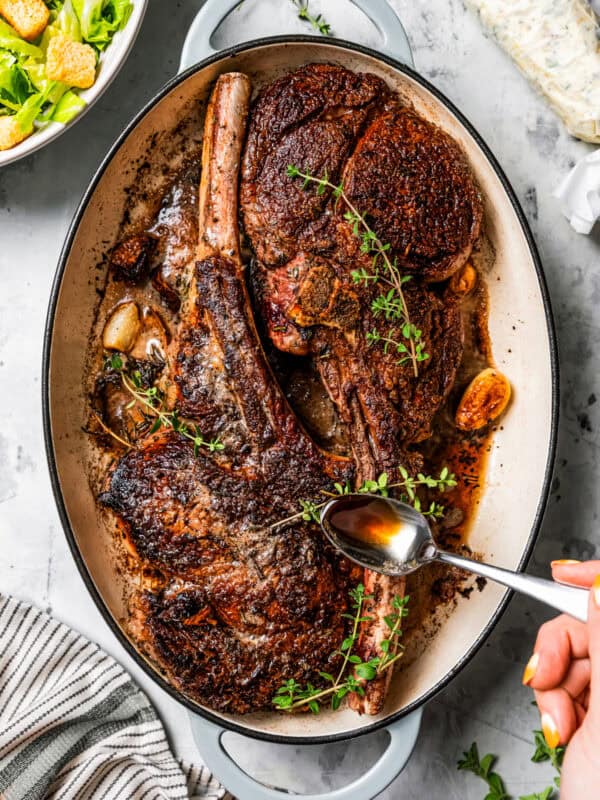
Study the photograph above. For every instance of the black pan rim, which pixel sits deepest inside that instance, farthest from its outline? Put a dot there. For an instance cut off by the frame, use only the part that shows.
(222, 722)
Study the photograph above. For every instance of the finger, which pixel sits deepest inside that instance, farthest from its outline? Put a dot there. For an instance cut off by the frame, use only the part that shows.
(580, 711)
(562, 712)
(559, 642)
(577, 680)
(558, 716)
(576, 573)
(584, 699)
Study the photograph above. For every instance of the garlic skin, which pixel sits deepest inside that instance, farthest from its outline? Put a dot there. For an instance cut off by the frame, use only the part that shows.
(122, 328)
(152, 337)
(483, 401)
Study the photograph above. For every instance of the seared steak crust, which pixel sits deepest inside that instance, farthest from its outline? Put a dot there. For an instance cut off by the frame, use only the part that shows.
(239, 602)
(233, 642)
(259, 604)
(413, 182)
(407, 175)
(310, 118)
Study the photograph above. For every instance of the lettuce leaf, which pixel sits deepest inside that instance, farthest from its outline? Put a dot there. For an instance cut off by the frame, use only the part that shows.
(10, 40)
(67, 107)
(29, 111)
(101, 19)
(67, 22)
(15, 83)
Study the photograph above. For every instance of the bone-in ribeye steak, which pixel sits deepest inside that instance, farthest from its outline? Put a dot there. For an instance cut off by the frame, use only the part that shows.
(243, 604)
(413, 185)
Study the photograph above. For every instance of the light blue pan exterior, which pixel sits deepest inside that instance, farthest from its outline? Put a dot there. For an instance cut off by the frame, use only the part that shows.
(403, 737)
(197, 45)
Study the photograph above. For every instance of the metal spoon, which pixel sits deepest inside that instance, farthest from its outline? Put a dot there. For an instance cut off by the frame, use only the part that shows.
(390, 537)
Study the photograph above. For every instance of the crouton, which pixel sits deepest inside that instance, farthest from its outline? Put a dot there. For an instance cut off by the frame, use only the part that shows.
(11, 133)
(71, 62)
(28, 17)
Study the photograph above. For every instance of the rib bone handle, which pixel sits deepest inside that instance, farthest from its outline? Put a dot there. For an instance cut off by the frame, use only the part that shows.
(221, 154)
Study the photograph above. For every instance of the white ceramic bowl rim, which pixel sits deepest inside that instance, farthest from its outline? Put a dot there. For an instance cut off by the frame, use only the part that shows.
(50, 452)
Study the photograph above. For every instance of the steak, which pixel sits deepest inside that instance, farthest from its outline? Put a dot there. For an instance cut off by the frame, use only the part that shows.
(411, 183)
(243, 602)
(244, 593)
(407, 175)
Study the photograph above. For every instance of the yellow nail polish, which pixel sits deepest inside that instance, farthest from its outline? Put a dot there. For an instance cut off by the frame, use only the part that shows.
(550, 731)
(596, 591)
(531, 668)
(562, 562)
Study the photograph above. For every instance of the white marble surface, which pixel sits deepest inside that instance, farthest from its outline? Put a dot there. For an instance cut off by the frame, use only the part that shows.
(37, 199)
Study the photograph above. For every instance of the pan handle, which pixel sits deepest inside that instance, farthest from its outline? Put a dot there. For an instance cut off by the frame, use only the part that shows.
(197, 45)
(403, 737)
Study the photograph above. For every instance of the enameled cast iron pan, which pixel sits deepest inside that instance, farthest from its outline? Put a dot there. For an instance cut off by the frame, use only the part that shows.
(519, 467)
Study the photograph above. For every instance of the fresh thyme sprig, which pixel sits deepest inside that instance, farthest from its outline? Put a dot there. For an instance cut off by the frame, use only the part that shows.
(110, 432)
(319, 23)
(353, 670)
(482, 768)
(402, 337)
(543, 752)
(151, 399)
(447, 480)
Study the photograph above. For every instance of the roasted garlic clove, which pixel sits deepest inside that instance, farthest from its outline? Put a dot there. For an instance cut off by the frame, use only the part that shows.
(152, 338)
(485, 398)
(122, 328)
(463, 282)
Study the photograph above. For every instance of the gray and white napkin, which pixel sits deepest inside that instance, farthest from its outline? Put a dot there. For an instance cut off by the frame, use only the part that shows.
(73, 725)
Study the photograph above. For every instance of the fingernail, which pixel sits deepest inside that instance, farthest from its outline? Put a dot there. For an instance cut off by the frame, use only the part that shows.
(596, 591)
(564, 561)
(531, 668)
(550, 731)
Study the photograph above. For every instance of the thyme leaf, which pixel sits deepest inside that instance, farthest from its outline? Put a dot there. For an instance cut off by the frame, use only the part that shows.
(447, 480)
(318, 22)
(543, 752)
(403, 338)
(482, 768)
(353, 671)
(151, 399)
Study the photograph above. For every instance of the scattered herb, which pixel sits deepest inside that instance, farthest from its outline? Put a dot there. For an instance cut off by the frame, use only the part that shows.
(545, 753)
(151, 399)
(545, 795)
(319, 23)
(402, 337)
(482, 768)
(353, 670)
(446, 480)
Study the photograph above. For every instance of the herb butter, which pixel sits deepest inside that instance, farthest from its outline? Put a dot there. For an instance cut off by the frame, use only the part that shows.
(555, 44)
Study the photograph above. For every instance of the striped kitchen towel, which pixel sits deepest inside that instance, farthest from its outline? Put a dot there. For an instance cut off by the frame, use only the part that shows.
(73, 725)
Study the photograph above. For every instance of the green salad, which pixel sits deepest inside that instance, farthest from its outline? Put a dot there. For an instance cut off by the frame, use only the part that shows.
(27, 94)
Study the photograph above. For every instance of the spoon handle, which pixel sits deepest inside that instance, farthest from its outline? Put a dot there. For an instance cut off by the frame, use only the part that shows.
(569, 599)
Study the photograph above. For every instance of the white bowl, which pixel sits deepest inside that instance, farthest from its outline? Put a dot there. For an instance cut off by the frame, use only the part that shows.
(111, 61)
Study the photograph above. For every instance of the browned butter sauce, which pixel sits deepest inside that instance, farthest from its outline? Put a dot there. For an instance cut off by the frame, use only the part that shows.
(368, 520)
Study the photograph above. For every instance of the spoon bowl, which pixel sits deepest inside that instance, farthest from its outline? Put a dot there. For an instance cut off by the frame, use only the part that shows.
(379, 533)
(387, 536)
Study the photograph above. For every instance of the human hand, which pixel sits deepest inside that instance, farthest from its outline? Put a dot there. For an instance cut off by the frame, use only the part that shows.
(564, 672)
